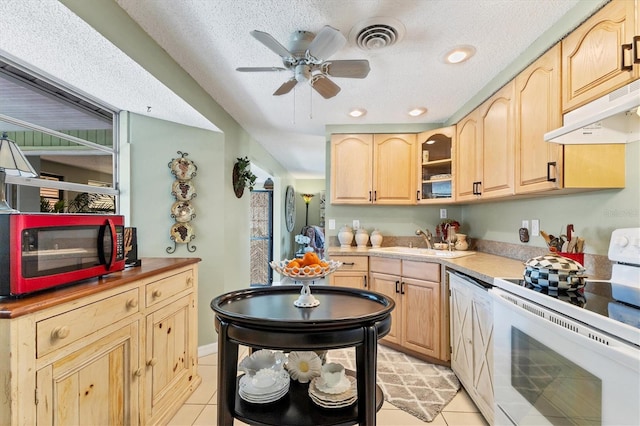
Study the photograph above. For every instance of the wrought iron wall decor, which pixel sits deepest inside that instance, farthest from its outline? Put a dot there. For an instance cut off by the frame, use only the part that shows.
(182, 210)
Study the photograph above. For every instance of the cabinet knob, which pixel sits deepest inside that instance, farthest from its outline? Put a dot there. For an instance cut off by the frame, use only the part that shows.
(138, 372)
(132, 303)
(156, 293)
(152, 362)
(60, 332)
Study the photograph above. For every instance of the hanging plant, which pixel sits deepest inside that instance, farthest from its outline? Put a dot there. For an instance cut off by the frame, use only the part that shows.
(242, 176)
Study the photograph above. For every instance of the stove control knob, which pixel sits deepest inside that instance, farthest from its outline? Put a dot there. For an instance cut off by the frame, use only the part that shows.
(622, 241)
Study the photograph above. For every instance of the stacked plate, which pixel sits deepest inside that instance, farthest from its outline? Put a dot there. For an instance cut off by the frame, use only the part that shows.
(265, 386)
(341, 395)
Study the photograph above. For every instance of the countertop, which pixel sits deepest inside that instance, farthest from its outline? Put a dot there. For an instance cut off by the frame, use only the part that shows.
(482, 266)
(15, 307)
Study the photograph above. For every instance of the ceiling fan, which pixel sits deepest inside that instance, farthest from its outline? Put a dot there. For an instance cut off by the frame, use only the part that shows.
(306, 57)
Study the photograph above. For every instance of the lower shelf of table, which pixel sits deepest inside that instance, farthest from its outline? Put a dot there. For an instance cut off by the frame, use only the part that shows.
(297, 408)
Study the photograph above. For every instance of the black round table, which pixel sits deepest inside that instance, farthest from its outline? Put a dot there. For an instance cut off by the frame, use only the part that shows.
(266, 318)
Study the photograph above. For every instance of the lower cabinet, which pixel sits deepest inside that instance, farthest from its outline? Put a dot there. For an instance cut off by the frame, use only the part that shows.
(124, 355)
(353, 273)
(472, 341)
(415, 288)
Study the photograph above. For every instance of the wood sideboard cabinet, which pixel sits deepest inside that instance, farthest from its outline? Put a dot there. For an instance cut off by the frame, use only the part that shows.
(121, 349)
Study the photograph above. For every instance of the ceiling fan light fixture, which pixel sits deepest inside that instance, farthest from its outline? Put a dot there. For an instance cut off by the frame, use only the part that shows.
(357, 112)
(415, 112)
(458, 54)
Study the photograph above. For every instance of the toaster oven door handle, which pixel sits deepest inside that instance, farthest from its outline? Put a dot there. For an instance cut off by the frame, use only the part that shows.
(101, 244)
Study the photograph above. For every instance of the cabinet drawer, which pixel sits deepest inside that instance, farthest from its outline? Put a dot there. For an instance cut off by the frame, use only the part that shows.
(352, 263)
(385, 265)
(62, 330)
(421, 270)
(165, 288)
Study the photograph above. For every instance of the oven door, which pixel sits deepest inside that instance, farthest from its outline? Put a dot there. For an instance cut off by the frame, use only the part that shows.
(550, 369)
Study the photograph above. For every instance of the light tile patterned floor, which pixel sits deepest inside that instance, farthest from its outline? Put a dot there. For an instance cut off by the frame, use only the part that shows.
(201, 407)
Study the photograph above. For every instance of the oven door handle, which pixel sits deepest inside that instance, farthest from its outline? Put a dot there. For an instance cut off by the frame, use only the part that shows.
(101, 244)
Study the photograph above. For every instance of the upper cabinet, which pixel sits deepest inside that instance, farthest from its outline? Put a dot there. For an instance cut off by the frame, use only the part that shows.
(537, 111)
(486, 149)
(601, 54)
(373, 169)
(435, 173)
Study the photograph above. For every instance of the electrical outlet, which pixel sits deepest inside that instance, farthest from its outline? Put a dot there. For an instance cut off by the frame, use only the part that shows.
(443, 213)
(356, 224)
(525, 224)
(535, 228)
(332, 224)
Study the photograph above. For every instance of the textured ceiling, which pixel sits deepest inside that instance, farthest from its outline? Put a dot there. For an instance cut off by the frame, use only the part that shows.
(210, 38)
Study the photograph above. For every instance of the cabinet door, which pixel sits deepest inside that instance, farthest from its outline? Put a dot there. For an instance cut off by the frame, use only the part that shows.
(351, 169)
(97, 385)
(468, 157)
(538, 111)
(168, 355)
(482, 339)
(354, 279)
(592, 55)
(461, 332)
(387, 285)
(436, 149)
(498, 143)
(421, 316)
(394, 169)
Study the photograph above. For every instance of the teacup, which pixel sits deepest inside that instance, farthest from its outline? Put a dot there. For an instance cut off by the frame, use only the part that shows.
(332, 373)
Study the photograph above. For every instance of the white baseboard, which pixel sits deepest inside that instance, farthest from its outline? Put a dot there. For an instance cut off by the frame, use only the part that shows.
(211, 348)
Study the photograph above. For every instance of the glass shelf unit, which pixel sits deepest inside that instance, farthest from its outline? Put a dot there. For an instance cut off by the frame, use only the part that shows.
(436, 172)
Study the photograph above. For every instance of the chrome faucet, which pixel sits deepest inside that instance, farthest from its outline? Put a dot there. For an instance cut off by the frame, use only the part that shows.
(427, 237)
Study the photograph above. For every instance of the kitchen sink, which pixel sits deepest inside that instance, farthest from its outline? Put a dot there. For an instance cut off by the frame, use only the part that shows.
(423, 252)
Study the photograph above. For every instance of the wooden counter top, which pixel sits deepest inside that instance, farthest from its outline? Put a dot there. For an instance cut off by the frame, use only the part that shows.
(12, 308)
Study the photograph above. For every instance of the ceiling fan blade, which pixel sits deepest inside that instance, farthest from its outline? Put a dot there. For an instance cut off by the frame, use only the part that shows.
(260, 69)
(354, 68)
(327, 42)
(286, 87)
(273, 44)
(324, 86)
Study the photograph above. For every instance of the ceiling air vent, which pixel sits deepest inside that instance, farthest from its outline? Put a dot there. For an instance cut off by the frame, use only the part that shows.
(376, 33)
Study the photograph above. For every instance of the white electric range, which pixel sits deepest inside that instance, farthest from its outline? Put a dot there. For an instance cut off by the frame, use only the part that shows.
(570, 357)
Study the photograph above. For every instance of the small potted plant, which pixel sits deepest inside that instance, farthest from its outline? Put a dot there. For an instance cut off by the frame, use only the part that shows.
(242, 176)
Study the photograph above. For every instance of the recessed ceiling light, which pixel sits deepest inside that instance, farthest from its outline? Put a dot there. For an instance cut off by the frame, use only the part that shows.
(417, 111)
(357, 112)
(458, 54)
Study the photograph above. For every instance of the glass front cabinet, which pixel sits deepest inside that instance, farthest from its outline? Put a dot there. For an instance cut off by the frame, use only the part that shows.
(436, 182)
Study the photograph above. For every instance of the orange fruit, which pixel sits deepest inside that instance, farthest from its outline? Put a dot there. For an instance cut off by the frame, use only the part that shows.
(310, 258)
(294, 262)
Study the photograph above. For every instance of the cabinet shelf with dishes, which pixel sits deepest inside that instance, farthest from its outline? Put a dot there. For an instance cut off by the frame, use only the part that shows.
(435, 180)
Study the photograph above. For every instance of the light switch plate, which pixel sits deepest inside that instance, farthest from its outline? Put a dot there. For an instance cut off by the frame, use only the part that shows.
(356, 224)
(535, 228)
(525, 224)
(443, 213)
(332, 224)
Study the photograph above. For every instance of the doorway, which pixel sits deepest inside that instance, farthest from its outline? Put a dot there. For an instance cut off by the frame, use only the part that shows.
(261, 238)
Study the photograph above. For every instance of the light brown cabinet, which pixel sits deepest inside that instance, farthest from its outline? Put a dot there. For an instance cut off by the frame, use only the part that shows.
(373, 169)
(598, 56)
(543, 166)
(124, 352)
(415, 288)
(353, 273)
(472, 342)
(436, 150)
(537, 112)
(485, 160)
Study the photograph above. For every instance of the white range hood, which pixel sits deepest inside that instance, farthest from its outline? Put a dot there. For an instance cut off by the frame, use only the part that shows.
(613, 118)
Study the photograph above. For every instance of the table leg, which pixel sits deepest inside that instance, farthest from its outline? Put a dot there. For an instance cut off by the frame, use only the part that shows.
(227, 372)
(366, 358)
